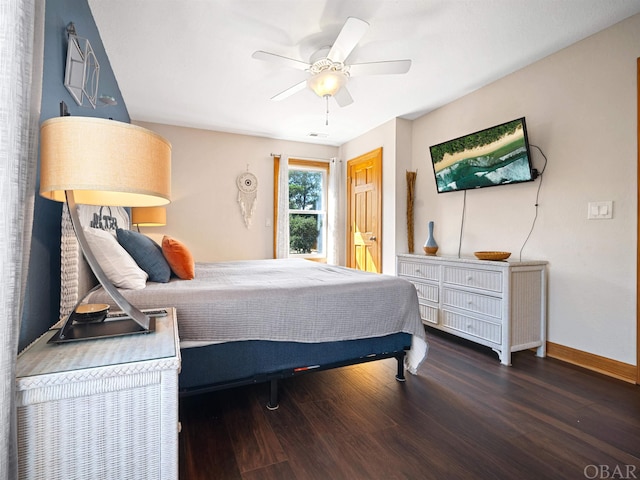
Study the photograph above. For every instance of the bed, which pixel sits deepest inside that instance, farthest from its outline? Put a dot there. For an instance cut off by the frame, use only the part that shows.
(263, 320)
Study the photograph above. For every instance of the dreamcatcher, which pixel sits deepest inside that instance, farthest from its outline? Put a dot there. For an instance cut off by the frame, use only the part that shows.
(247, 195)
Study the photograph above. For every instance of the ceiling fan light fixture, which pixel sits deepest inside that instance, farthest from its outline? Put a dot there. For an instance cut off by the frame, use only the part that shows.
(328, 73)
(327, 82)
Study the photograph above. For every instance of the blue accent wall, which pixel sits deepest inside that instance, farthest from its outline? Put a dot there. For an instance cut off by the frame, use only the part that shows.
(42, 298)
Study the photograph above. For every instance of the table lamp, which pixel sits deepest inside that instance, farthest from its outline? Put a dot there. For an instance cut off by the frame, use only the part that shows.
(148, 217)
(93, 161)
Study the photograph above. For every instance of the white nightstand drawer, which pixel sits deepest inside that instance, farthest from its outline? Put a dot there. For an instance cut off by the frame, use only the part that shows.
(484, 279)
(426, 291)
(429, 314)
(473, 302)
(491, 332)
(419, 270)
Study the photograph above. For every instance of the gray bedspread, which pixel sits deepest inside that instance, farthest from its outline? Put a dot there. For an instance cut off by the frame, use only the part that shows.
(285, 300)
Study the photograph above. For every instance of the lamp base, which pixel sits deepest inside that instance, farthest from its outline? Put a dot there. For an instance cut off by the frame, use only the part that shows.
(73, 332)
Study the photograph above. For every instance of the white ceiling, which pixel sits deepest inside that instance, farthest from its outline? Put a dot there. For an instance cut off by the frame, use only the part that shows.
(188, 62)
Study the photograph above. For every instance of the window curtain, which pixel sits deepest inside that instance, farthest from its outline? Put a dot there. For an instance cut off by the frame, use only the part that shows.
(282, 223)
(21, 51)
(332, 212)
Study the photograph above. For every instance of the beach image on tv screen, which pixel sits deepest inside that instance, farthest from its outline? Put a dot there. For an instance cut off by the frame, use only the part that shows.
(493, 156)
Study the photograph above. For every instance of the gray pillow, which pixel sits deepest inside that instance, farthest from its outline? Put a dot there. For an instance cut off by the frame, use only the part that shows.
(147, 254)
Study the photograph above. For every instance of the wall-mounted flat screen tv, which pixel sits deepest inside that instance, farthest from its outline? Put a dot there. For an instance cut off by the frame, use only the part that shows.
(494, 156)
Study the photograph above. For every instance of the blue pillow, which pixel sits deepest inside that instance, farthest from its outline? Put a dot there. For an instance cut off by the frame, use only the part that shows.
(147, 254)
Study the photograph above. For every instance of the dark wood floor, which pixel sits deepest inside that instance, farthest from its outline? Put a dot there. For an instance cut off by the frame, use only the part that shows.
(464, 416)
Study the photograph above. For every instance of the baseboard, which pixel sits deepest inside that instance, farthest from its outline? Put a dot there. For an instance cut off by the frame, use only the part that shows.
(607, 366)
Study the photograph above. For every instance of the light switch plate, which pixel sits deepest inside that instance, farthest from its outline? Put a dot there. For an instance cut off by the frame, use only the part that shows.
(600, 210)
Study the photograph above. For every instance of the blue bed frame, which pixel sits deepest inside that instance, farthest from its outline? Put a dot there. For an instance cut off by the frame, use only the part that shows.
(224, 365)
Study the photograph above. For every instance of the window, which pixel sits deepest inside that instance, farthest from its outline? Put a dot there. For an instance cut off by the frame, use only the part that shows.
(307, 209)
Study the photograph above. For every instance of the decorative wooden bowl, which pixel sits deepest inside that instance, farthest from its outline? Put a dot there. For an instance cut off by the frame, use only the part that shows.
(492, 255)
(91, 312)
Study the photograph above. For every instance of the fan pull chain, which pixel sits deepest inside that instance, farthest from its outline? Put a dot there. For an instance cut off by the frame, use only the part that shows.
(327, 121)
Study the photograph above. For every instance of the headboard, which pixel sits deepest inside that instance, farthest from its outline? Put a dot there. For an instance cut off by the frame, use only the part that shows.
(76, 276)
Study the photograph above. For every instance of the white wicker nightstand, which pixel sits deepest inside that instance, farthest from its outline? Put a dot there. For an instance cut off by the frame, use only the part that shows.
(100, 409)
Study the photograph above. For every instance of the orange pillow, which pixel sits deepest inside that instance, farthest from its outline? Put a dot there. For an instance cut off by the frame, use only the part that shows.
(179, 258)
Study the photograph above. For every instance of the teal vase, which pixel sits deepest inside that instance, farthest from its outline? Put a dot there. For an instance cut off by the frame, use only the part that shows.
(430, 247)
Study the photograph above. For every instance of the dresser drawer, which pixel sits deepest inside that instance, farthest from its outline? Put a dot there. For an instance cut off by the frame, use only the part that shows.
(488, 331)
(421, 270)
(468, 277)
(426, 291)
(429, 314)
(473, 302)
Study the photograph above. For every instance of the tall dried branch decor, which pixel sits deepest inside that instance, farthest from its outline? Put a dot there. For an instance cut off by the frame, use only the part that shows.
(411, 185)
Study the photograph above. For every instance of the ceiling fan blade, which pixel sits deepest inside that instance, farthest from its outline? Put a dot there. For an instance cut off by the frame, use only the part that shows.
(343, 97)
(380, 68)
(351, 33)
(290, 91)
(285, 61)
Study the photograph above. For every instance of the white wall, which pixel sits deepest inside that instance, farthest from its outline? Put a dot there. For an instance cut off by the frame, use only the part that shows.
(204, 212)
(404, 142)
(580, 108)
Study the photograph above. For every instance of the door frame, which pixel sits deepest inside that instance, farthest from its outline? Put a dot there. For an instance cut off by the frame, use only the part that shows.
(638, 230)
(375, 155)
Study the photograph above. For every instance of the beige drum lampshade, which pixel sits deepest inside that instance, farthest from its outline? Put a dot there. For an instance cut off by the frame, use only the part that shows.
(149, 216)
(104, 162)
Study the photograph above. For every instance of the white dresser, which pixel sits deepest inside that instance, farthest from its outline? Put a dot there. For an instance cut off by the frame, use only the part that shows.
(100, 409)
(500, 304)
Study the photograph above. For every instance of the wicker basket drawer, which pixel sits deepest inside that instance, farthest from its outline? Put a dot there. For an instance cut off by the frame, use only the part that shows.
(483, 279)
(103, 429)
(429, 314)
(488, 331)
(473, 302)
(421, 270)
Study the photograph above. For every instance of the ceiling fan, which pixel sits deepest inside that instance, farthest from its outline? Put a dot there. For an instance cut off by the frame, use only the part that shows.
(329, 72)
